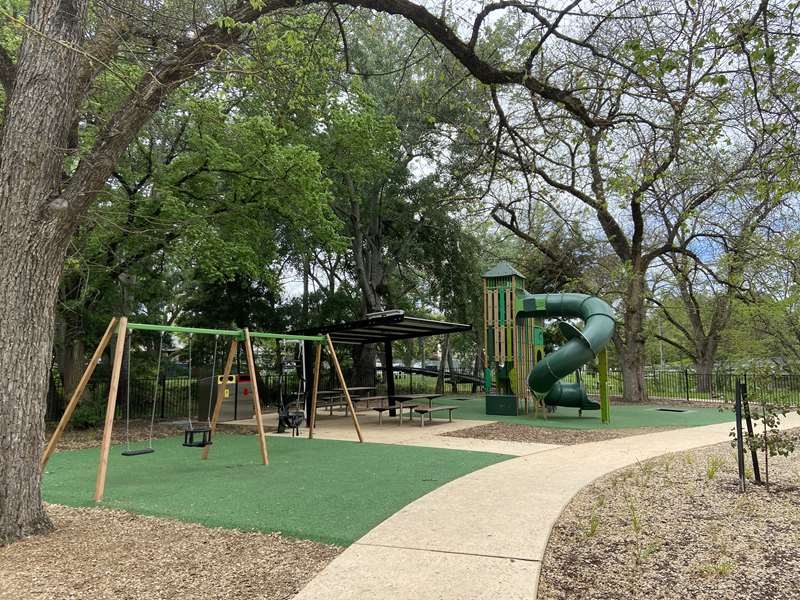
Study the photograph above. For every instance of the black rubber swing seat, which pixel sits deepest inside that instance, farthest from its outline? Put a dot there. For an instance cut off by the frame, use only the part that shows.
(204, 440)
(137, 452)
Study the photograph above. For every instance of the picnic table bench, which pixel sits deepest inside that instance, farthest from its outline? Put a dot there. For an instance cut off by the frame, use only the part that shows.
(399, 405)
(427, 410)
(368, 398)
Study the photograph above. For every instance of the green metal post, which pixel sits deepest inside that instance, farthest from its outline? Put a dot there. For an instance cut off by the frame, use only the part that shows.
(602, 367)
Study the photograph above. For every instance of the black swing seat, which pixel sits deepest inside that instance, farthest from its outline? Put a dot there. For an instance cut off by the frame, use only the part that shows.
(204, 439)
(137, 452)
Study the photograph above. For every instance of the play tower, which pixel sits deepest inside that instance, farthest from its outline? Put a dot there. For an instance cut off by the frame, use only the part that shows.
(514, 346)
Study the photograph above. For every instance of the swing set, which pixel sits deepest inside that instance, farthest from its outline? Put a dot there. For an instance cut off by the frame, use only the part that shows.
(195, 435)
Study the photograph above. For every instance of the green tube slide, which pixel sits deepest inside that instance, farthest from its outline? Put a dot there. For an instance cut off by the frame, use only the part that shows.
(582, 345)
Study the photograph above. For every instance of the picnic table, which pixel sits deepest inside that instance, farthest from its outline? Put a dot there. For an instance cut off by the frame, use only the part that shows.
(329, 399)
(411, 401)
(362, 388)
(412, 397)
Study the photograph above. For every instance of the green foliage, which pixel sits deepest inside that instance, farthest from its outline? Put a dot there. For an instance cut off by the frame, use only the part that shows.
(90, 413)
(713, 465)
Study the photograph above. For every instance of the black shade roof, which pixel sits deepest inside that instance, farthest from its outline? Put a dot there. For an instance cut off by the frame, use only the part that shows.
(384, 327)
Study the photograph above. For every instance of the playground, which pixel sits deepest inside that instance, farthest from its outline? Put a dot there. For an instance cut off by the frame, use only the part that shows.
(343, 483)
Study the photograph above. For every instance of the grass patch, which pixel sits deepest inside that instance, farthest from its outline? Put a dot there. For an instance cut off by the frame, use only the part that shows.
(324, 490)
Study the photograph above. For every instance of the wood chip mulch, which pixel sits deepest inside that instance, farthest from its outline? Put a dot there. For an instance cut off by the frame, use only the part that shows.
(138, 433)
(111, 554)
(675, 527)
(512, 432)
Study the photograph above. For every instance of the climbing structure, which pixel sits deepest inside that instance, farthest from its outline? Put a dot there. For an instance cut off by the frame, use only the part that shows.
(514, 346)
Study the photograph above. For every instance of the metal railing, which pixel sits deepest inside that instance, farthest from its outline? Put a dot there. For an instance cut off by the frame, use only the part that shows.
(177, 397)
(687, 385)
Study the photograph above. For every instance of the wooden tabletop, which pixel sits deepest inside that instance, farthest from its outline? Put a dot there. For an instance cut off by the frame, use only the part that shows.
(405, 397)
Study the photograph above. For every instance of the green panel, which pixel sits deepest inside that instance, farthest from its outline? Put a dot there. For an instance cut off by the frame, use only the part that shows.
(501, 304)
(505, 405)
(538, 336)
(490, 344)
(237, 333)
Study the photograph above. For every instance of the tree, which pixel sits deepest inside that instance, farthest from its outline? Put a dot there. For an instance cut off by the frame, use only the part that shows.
(732, 236)
(674, 127)
(50, 175)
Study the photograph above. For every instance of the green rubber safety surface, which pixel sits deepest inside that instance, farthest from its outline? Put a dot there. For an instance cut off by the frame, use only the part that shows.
(323, 490)
(623, 416)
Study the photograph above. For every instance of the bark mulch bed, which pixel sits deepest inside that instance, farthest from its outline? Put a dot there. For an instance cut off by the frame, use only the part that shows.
(138, 431)
(511, 432)
(676, 527)
(112, 554)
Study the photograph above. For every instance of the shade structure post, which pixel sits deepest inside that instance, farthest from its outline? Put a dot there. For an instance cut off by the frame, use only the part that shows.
(312, 417)
(389, 371)
(251, 366)
(308, 365)
(221, 393)
(343, 383)
(77, 394)
(111, 405)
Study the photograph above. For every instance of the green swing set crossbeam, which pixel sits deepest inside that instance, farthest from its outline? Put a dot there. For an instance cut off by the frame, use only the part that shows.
(235, 333)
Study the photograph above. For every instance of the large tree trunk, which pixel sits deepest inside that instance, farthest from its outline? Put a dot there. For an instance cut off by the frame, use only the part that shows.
(30, 266)
(33, 240)
(453, 384)
(704, 368)
(633, 356)
(364, 357)
(442, 362)
(71, 354)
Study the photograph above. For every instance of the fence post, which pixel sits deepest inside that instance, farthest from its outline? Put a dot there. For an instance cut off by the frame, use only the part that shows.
(686, 379)
(749, 422)
(739, 440)
(163, 395)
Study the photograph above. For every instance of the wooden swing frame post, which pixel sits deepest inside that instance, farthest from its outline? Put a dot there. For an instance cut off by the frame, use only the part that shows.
(343, 383)
(120, 326)
(119, 349)
(221, 393)
(312, 420)
(251, 367)
(77, 394)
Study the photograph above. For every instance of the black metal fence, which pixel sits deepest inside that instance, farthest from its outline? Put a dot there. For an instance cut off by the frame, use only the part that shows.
(178, 397)
(417, 380)
(687, 385)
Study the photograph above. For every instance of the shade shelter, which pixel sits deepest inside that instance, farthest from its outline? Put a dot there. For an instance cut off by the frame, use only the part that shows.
(381, 328)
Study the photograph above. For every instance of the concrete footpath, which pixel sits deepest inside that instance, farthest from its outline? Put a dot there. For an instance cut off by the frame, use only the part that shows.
(483, 536)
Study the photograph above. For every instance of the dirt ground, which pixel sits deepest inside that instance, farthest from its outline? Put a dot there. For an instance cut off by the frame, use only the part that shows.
(102, 554)
(512, 432)
(138, 434)
(676, 527)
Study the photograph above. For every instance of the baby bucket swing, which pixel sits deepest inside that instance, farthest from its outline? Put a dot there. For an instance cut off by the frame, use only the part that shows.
(286, 418)
(200, 437)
